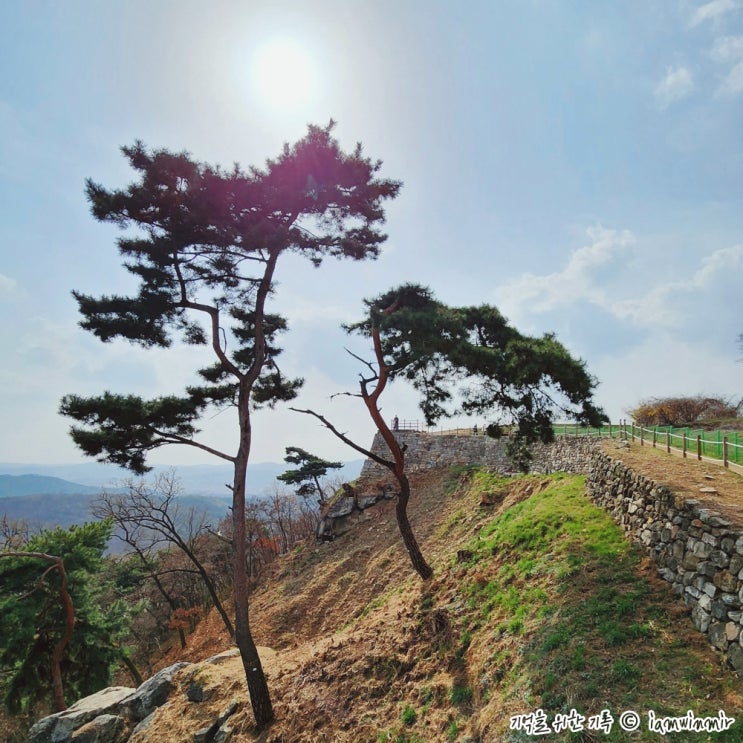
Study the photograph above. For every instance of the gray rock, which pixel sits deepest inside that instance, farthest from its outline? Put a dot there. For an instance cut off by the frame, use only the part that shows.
(103, 729)
(224, 734)
(216, 731)
(143, 727)
(365, 501)
(717, 636)
(700, 618)
(222, 657)
(152, 693)
(59, 727)
(342, 507)
(195, 692)
(735, 657)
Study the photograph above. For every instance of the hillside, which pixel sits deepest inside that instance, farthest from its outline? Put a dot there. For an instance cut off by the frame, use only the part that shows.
(13, 486)
(538, 602)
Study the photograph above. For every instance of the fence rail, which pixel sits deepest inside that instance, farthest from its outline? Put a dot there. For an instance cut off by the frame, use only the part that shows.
(710, 446)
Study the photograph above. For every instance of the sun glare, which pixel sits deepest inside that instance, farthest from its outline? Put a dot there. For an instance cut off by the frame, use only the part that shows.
(283, 74)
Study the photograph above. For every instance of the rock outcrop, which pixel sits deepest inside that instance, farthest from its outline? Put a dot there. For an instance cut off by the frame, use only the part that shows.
(120, 714)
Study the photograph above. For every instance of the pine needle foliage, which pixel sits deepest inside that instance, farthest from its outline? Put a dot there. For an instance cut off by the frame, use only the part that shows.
(204, 244)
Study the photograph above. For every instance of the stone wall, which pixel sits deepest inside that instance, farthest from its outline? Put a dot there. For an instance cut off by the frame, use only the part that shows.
(694, 548)
(425, 451)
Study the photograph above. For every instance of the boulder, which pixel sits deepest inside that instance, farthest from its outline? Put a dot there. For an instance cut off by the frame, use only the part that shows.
(58, 728)
(103, 729)
(152, 693)
(109, 710)
(342, 507)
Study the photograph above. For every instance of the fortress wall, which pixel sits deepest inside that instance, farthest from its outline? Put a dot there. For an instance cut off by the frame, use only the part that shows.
(425, 451)
(694, 548)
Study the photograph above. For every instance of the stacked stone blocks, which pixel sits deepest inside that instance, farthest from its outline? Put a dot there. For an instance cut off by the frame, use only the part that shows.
(695, 549)
(426, 451)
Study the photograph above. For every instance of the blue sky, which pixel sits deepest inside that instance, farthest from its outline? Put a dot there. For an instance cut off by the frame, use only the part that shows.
(577, 164)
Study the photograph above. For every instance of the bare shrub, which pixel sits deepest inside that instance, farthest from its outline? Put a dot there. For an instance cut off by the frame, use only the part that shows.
(684, 411)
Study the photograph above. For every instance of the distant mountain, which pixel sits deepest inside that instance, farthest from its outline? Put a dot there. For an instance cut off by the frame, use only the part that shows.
(45, 499)
(195, 479)
(47, 510)
(15, 485)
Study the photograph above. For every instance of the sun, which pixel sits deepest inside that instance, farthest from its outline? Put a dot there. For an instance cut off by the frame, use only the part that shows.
(283, 73)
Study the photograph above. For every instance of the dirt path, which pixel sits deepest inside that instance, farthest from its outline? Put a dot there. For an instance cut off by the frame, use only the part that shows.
(717, 487)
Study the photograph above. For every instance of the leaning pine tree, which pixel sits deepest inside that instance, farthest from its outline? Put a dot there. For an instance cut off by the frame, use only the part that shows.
(205, 252)
(464, 360)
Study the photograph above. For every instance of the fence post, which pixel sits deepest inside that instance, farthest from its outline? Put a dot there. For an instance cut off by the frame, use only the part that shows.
(655, 436)
(684, 444)
(633, 431)
(699, 447)
(668, 442)
(642, 436)
(725, 451)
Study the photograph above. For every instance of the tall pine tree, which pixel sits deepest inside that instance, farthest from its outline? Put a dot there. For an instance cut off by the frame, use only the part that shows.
(205, 254)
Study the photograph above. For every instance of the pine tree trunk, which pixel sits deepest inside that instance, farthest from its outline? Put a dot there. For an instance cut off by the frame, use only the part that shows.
(423, 569)
(397, 467)
(260, 699)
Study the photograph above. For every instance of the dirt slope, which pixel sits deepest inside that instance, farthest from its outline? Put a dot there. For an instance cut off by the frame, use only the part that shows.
(356, 648)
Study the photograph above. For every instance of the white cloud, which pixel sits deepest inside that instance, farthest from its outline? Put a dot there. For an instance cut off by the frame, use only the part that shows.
(677, 84)
(713, 11)
(661, 305)
(729, 50)
(587, 277)
(575, 282)
(687, 321)
(7, 285)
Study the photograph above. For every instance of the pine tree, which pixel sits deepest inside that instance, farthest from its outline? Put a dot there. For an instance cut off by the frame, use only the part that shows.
(308, 474)
(464, 359)
(59, 639)
(205, 256)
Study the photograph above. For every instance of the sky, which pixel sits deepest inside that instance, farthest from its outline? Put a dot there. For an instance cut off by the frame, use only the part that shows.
(577, 164)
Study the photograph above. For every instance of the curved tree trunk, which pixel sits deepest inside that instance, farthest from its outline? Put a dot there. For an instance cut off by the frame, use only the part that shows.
(260, 698)
(55, 661)
(423, 569)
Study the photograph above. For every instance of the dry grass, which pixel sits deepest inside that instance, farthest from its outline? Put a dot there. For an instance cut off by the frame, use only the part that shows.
(547, 606)
(537, 601)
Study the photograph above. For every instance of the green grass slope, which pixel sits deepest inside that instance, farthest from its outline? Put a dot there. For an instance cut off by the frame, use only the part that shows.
(539, 606)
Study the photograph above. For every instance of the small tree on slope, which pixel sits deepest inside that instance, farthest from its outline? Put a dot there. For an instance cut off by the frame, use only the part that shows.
(307, 476)
(58, 638)
(472, 351)
(205, 257)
